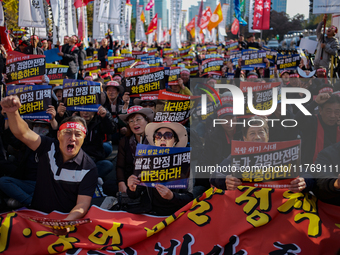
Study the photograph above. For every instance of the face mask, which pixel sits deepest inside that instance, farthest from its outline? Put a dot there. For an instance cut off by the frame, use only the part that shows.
(41, 130)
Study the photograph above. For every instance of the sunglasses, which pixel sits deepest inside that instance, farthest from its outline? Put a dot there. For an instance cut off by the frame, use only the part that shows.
(166, 135)
(145, 104)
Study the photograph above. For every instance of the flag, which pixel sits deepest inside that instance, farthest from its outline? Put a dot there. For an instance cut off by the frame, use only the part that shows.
(150, 4)
(80, 3)
(216, 18)
(31, 14)
(5, 39)
(235, 27)
(205, 18)
(261, 19)
(153, 25)
(190, 25)
(192, 32)
(200, 11)
(142, 17)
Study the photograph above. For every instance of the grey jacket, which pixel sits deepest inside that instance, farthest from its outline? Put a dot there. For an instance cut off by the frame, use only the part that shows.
(332, 46)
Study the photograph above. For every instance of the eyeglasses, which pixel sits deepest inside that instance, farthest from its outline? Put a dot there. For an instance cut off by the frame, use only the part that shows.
(145, 104)
(166, 135)
(138, 120)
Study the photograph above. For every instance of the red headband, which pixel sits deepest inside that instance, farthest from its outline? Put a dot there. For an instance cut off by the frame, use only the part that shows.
(253, 76)
(74, 125)
(294, 75)
(224, 111)
(321, 70)
(185, 71)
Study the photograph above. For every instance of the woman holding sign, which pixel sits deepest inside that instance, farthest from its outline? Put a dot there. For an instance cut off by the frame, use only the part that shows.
(136, 119)
(161, 200)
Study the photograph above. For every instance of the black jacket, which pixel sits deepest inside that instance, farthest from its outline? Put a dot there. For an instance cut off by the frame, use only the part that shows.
(70, 58)
(96, 130)
(81, 59)
(153, 203)
(308, 127)
(29, 50)
(329, 159)
(102, 52)
(90, 51)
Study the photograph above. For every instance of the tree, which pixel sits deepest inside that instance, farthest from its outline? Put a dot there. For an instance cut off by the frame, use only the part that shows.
(90, 19)
(11, 9)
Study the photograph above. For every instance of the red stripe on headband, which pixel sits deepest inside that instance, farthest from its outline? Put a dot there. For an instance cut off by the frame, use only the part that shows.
(252, 77)
(224, 110)
(321, 70)
(74, 125)
(294, 75)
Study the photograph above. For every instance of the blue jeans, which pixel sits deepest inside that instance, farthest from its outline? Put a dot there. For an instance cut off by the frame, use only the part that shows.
(104, 167)
(107, 148)
(20, 190)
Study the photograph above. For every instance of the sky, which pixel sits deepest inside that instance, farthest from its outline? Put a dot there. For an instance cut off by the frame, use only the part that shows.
(293, 6)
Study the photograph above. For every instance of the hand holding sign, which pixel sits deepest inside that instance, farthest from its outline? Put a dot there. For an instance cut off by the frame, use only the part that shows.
(297, 185)
(61, 109)
(180, 83)
(232, 182)
(165, 192)
(126, 98)
(50, 110)
(133, 182)
(10, 104)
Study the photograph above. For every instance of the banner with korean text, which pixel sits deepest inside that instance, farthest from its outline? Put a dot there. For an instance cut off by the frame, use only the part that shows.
(34, 100)
(79, 95)
(292, 223)
(22, 68)
(169, 166)
(144, 80)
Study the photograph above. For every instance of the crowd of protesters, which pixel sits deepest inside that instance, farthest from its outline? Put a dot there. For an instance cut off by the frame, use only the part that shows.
(76, 146)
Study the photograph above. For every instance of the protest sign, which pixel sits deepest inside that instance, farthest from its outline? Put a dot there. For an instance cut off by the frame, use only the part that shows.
(288, 62)
(90, 65)
(308, 45)
(253, 58)
(169, 166)
(231, 46)
(271, 56)
(173, 107)
(79, 95)
(144, 80)
(121, 64)
(173, 75)
(212, 64)
(152, 61)
(34, 100)
(262, 95)
(266, 165)
(193, 70)
(22, 68)
(56, 73)
(185, 50)
(52, 55)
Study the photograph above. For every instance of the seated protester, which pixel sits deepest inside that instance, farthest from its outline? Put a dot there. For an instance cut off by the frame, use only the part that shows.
(136, 119)
(98, 124)
(218, 143)
(22, 45)
(33, 49)
(19, 185)
(185, 76)
(57, 102)
(146, 102)
(69, 183)
(327, 187)
(257, 132)
(161, 200)
(180, 88)
(320, 130)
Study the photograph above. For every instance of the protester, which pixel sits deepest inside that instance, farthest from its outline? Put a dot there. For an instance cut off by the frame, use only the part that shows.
(90, 50)
(161, 200)
(33, 49)
(136, 118)
(104, 49)
(257, 132)
(70, 192)
(328, 45)
(70, 57)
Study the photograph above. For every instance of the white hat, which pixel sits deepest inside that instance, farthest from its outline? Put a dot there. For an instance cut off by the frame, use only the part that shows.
(178, 128)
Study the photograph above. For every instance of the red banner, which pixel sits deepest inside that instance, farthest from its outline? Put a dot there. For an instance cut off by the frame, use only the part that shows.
(235, 27)
(153, 25)
(205, 18)
(261, 19)
(190, 25)
(246, 221)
